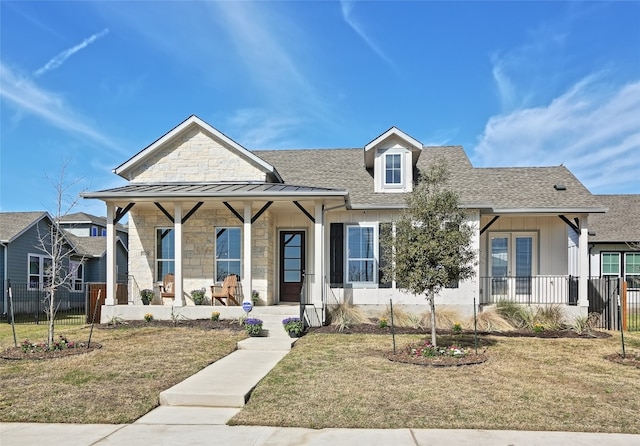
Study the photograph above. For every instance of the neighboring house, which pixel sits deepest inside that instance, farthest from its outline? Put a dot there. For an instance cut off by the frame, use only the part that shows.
(614, 249)
(24, 264)
(305, 224)
(82, 224)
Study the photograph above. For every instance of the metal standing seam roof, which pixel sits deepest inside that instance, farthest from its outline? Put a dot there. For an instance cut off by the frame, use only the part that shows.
(219, 190)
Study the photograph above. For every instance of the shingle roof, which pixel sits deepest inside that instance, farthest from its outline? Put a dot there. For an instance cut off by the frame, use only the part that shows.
(516, 189)
(88, 246)
(83, 217)
(13, 224)
(621, 223)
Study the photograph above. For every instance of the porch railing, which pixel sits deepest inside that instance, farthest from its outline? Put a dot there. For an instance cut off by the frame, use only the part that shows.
(537, 290)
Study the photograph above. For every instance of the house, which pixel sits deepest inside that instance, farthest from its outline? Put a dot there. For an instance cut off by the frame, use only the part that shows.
(24, 264)
(82, 224)
(614, 240)
(303, 226)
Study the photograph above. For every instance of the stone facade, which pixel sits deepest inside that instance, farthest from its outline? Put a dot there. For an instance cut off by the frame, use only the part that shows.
(199, 241)
(193, 157)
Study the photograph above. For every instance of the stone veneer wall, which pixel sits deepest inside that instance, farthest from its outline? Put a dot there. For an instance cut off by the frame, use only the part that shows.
(199, 249)
(196, 156)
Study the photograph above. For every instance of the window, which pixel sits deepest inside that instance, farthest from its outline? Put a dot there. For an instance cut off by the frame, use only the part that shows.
(77, 275)
(610, 264)
(632, 270)
(393, 169)
(165, 252)
(360, 254)
(94, 231)
(39, 275)
(228, 252)
(104, 232)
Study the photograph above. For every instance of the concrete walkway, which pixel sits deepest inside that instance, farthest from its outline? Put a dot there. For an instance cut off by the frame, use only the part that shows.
(195, 412)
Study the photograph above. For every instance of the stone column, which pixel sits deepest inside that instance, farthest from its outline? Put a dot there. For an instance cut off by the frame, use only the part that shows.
(110, 298)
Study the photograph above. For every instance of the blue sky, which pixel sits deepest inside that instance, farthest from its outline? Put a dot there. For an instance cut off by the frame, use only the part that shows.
(515, 83)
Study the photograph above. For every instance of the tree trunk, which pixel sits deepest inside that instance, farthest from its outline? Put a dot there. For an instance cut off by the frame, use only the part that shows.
(51, 317)
(432, 304)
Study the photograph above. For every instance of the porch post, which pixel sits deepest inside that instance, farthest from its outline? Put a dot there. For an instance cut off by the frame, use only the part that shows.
(318, 251)
(246, 279)
(583, 263)
(178, 297)
(110, 298)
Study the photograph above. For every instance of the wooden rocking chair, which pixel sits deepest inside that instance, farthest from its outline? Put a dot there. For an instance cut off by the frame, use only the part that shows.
(227, 291)
(167, 289)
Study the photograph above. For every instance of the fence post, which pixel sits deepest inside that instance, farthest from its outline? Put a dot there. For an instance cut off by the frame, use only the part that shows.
(623, 298)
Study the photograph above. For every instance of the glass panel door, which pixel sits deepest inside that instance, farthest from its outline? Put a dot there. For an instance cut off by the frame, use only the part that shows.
(499, 265)
(511, 264)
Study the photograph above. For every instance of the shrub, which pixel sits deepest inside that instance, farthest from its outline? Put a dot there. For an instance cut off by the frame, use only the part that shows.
(345, 315)
(255, 297)
(426, 349)
(146, 296)
(148, 317)
(383, 322)
(457, 328)
(490, 321)
(215, 316)
(585, 324)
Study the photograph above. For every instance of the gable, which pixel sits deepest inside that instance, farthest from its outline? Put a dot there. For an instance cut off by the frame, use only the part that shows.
(195, 152)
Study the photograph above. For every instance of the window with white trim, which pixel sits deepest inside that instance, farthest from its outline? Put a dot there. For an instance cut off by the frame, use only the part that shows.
(39, 271)
(361, 249)
(632, 270)
(610, 264)
(165, 252)
(393, 169)
(77, 275)
(228, 252)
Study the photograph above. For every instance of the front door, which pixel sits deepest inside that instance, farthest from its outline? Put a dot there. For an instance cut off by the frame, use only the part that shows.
(291, 265)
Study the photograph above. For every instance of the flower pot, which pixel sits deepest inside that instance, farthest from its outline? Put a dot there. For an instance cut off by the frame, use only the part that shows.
(293, 334)
(145, 302)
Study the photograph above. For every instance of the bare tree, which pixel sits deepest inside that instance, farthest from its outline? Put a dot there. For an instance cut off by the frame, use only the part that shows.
(432, 243)
(56, 245)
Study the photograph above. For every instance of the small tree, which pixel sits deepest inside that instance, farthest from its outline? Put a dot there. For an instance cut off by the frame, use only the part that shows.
(56, 245)
(431, 247)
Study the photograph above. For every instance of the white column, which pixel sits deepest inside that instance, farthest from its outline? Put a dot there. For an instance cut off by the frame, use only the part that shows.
(583, 263)
(318, 257)
(110, 298)
(246, 280)
(177, 215)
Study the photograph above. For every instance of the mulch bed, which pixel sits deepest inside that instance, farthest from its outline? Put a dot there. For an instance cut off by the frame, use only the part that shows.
(632, 359)
(438, 361)
(16, 353)
(374, 329)
(203, 324)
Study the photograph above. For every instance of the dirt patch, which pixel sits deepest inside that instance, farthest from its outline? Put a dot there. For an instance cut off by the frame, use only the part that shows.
(438, 361)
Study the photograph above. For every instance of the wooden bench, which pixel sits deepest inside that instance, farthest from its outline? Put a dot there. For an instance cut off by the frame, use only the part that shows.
(167, 289)
(227, 291)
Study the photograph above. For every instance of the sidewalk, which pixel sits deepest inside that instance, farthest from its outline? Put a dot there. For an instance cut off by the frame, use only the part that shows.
(138, 434)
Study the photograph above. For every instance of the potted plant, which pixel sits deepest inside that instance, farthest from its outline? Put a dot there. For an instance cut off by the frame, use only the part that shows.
(293, 326)
(198, 296)
(253, 326)
(147, 296)
(255, 297)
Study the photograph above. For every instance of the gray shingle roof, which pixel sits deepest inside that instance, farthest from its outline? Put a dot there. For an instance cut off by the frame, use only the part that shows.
(13, 224)
(518, 188)
(84, 218)
(621, 223)
(88, 246)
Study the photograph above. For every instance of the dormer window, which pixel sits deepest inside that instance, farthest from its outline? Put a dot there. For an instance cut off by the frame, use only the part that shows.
(393, 169)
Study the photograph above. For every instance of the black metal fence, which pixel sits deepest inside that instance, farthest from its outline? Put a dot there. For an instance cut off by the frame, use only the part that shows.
(530, 290)
(633, 310)
(603, 295)
(30, 306)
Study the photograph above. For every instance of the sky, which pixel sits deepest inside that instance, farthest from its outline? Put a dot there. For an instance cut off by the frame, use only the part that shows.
(90, 84)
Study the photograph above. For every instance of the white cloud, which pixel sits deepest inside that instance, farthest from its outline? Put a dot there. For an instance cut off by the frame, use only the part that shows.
(592, 128)
(347, 9)
(261, 129)
(27, 97)
(66, 54)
